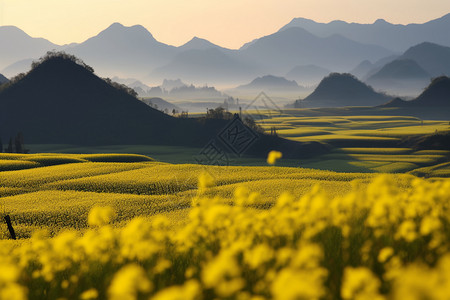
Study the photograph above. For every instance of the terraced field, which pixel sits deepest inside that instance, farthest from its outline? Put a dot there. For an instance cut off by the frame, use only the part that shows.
(361, 143)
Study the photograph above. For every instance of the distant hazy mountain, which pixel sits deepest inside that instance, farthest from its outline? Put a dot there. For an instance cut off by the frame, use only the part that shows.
(3, 79)
(17, 45)
(202, 66)
(410, 73)
(21, 66)
(199, 44)
(193, 92)
(138, 86)
(378, 65)
(270, 82)
(435, 59)
(161, 104)
(296, 46)
(401, 69)
(307, 74)
(122, 51)
(338, 46)
(362, 69)
(390, 36)
(170, 84)
(337, 90)
(401, 76)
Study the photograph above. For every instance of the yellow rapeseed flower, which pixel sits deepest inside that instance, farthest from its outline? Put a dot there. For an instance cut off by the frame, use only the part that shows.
(360, 284)
(128, 283)
(89, 294)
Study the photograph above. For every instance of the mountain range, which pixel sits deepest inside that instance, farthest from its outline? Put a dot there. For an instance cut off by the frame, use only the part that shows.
(134, 52)
(409, 73)
(394, 37)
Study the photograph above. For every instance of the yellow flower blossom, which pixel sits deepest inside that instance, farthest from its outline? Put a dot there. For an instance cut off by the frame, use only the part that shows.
(360, 284)
(128, 283)
(190, 290)
(89, 294)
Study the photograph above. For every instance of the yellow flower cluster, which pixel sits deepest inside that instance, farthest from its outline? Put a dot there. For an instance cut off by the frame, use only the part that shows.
(390, 240)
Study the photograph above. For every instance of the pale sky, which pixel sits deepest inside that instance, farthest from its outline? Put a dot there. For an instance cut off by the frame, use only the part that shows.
(228, 23)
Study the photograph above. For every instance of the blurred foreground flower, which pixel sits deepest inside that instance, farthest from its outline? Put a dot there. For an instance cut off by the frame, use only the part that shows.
(99, 216)
(273, 157)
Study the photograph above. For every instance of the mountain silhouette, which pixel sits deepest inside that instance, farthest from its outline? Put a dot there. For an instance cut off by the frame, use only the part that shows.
(435, 59)
(61, 101)
(21, 66)
(362, 69)
(120, 50)
(197, 43)
(294, 46)
(17, 45)
(170, 84)
(134, 52)
(337, 90)
(390, 36)
(401, 69)
(270, 82)
(410, 73)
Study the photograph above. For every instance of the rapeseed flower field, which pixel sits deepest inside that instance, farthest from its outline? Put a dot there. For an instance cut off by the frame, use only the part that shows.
(222, 233)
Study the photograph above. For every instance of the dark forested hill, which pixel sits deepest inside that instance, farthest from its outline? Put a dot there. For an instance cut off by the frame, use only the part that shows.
(337, 90)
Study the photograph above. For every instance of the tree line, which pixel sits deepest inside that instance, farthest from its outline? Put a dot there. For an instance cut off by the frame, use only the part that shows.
(15, 145)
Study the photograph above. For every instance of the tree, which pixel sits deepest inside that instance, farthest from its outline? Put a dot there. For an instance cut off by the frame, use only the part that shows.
(218, 113)
(10, 146)
(18, 141)
(60, 54)
(1, 145)
(184, 114)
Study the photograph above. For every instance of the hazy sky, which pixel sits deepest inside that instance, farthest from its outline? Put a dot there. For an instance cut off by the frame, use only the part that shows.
(229, 23)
